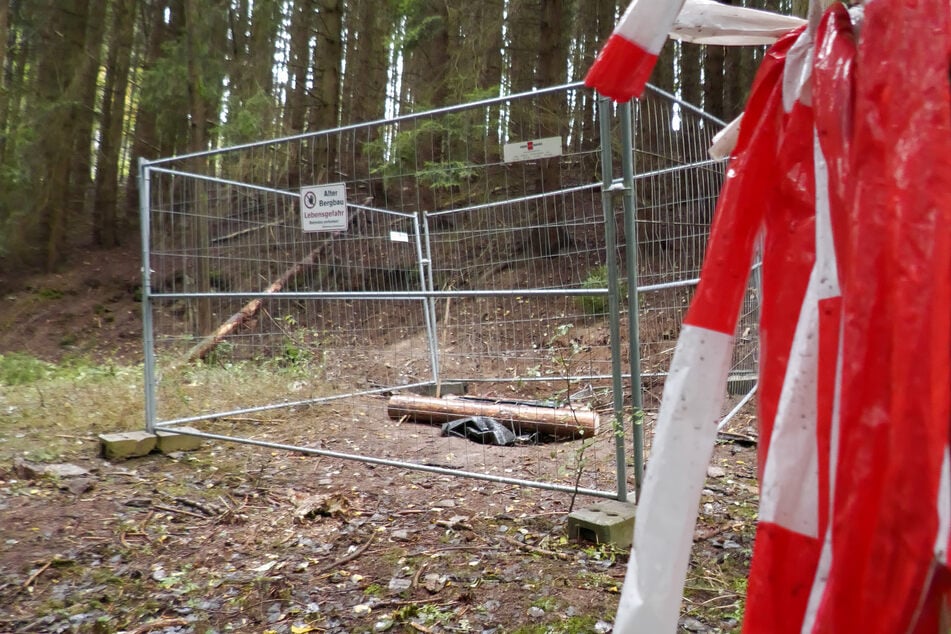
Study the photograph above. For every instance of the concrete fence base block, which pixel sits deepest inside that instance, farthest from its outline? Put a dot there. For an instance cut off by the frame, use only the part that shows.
(608, 522)
(133, 444)
(455, 387)
(172, 441)
(130, 444)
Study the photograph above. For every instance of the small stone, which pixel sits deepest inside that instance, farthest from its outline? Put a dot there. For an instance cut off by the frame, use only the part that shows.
(434, 582)
(693, 625)
(78, 486)
(602, 627)
(536, 612)
(400, 535)
(715, 472)
(399, 585)
(446, 504)
(31, 470)
(491, 605)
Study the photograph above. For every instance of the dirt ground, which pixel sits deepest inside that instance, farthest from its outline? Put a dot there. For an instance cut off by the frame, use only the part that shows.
(242, 539)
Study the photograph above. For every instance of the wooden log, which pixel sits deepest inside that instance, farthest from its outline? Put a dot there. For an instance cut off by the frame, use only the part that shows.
(561, 422)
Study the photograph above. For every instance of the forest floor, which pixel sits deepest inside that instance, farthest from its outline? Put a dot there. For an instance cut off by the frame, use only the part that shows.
(233, 538)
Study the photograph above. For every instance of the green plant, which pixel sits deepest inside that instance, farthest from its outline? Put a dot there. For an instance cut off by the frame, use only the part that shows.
(548, 604)
(578, 624)
(373, 590)
(22, 369)
(50, 293)
(598, 304)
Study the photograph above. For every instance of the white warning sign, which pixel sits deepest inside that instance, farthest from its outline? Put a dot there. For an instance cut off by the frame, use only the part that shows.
(324, 207)
(530, 150)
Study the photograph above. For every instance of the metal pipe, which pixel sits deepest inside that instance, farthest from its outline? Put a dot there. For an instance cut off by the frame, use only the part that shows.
(404, 295)
(356, 126)
(683, 104)
(610, 239)
(736, 410)
(404, 465)
(271, 190)
(266, 408)
(148, 336)
(521, 199)
(427, 284)
(633, 302)
(678, 168)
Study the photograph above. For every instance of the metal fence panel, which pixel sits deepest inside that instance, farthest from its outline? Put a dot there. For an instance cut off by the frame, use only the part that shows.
(454, 266)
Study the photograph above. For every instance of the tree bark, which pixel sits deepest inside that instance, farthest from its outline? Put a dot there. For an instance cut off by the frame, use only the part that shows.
(106, 231)
(713, 80)
(58, 92)
(519, 417)
(80, 178)
(324, 109)
(145, 142)
(295, 113)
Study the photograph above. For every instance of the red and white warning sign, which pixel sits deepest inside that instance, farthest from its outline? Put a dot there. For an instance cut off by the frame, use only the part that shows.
(530, 150)
(324, 207)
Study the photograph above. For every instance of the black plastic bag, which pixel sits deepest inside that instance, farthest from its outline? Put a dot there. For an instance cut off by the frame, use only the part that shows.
(480, 429)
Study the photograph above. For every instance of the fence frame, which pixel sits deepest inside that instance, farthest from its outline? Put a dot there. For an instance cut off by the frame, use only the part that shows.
(614, 191)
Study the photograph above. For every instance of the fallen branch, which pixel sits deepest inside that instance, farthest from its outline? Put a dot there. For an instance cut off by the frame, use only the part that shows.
(208, 509)
(719, 530)
(346, 559)
(249, 310)
(156, 624)
(415, 582)
(536, 549)
(35, 575)
(170, 509)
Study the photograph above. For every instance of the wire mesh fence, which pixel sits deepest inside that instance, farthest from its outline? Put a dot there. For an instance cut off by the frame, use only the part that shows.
(471, 251)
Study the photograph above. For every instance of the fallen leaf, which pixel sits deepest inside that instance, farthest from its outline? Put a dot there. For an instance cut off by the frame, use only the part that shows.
(321, 505)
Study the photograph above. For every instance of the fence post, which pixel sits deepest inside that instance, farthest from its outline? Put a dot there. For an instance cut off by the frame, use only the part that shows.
(633, 300)
(424, 259)
(608, 188)
(148, 337)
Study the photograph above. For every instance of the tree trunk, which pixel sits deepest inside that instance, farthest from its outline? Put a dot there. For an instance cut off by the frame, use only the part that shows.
(690, 86)
(426, 85)
(4, 34)
(81, 164)
(265, 22)
(106, 231)
(324, 110)
(297, 66)
(519, 417)
(58, 92)
(11, 84)
(595, 23)
(367, 46)
(713, 80)
(144, 137)
(196, 53)
(552, 71)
